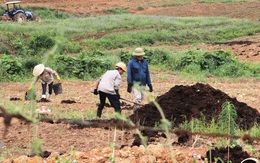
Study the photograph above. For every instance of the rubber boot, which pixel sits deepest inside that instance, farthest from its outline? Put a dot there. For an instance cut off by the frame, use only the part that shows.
(99, 112)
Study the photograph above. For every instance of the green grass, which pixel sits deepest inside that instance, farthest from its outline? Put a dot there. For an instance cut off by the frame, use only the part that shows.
(102, 37)
(200, 125)
(136, 24)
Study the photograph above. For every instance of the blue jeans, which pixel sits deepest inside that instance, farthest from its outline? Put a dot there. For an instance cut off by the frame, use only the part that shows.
(44, 88)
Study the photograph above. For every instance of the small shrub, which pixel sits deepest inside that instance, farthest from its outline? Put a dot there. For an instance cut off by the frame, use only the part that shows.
(42, 41)
(36, 147)
(81, 68)
(67, 47)
(10, 66)
(19, 45)
(218, 63)
(29, 63)
(157, 56)
(4, 49)
(116, 10)
(140, 8)
(227, 119)
(125, 56)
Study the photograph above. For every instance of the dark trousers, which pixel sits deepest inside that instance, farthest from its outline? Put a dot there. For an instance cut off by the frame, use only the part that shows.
(113, 99)
(44, 88)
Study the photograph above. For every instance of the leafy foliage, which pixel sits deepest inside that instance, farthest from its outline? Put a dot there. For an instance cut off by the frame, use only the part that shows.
(218, 63)
(227, 119)
(18, 44)
(10, 68)
(39, 43)
(36, 146)
(157, 56)
(125, 56)
(206, 60)
(4, 49)
(81, 68)
(69, 47)
(116, 10)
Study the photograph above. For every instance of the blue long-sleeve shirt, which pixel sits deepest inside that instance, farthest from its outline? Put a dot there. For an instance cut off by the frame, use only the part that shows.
(138, 72)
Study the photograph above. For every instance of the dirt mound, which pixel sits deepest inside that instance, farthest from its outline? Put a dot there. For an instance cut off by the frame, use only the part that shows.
(182, 103)
(235, 154)
(15, 99)
(43, 100)
(68, 101)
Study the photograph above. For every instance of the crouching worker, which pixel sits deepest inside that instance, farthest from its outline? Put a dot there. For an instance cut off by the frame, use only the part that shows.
(46, 76)
(108, 87)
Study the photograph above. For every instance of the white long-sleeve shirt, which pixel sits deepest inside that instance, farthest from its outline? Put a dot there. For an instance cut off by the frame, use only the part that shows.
(110, 82)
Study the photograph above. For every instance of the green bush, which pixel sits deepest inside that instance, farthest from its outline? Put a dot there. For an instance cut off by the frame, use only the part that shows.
(116, 10)
(157, 56)
(212, 60)
(81, 68)
(96, 53)
(4, 49)
(10, 68)
(39, 44)
(29, 63)
(208, 61)
(218, 63)
(125, 56)
(67, 47)
(19, 45)
(2, 9)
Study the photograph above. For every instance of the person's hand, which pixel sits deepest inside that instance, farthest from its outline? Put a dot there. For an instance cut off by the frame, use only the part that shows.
(58, 78)
(129, 88)
(95, 92)
(150, 87)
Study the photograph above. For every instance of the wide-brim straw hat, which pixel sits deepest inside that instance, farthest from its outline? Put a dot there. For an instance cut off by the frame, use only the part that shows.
(38, 69)
(138, 52)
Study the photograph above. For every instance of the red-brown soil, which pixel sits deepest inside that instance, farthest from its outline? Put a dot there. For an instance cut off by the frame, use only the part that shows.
(94, 144)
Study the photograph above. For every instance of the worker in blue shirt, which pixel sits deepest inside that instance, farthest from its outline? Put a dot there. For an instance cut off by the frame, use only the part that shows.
(138, 73)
